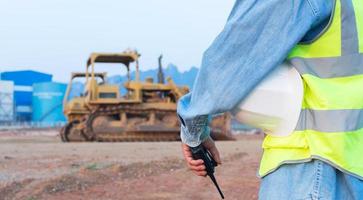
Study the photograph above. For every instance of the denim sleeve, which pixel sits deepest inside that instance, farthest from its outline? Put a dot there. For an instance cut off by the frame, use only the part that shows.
(257, 37)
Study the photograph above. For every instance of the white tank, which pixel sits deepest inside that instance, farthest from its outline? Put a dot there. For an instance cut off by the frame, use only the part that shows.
(6, 101)
(274, 105)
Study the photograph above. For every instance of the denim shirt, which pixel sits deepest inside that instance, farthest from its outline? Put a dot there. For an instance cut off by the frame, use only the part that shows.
(256, 39)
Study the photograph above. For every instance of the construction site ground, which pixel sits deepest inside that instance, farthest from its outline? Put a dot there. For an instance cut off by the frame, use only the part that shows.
(35, 165)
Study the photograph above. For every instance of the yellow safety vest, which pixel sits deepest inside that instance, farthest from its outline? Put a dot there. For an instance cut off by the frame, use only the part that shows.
(330, 126)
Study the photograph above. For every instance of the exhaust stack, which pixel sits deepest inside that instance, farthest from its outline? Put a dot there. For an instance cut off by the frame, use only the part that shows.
(160, 72)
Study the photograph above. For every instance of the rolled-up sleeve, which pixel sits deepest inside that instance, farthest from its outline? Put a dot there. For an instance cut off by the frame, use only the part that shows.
(257, 37)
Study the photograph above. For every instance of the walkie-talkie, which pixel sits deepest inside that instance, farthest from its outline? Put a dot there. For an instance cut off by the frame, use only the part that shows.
(200, 152)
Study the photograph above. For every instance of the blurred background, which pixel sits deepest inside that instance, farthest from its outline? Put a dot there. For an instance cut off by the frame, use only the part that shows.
(44, 41)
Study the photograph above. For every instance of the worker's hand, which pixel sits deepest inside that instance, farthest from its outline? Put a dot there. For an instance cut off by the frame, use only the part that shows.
(197, 166)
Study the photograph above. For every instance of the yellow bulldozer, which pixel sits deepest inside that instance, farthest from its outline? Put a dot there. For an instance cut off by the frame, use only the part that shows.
(146, 112)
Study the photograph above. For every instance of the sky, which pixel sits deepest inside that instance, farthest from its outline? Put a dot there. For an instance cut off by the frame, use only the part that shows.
(57, 36)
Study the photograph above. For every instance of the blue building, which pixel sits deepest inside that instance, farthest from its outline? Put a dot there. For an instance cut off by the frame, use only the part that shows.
(23, 90)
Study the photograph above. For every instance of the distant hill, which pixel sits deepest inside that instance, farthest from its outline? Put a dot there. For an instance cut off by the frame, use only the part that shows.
(180, 78)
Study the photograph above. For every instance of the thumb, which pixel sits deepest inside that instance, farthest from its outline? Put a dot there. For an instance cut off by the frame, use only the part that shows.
(211, 147)
(215, 154)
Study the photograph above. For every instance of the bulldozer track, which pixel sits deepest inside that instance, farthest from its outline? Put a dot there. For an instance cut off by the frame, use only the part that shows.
(125, 136)
(66, 131)
(134, 135)
(139, 137)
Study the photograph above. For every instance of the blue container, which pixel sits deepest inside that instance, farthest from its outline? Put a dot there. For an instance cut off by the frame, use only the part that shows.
(47, 102)
(23, 82)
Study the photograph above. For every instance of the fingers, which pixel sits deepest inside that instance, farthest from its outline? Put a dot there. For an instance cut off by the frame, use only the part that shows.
(200, 173)
(196, 162)
(198, 170)
(197, 166)
(200, 167)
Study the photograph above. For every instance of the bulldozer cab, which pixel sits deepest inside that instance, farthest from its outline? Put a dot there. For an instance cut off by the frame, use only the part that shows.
(78, 76)
(74, 95)
(108, 93)
(73, 100)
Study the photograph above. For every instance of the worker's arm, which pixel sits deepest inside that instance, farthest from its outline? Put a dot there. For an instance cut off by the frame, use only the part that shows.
(255, 40)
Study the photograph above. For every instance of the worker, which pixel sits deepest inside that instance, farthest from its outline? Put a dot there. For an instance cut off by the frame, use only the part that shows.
(323, 40)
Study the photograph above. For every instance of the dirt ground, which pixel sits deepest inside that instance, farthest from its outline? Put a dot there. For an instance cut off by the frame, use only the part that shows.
(34, 165)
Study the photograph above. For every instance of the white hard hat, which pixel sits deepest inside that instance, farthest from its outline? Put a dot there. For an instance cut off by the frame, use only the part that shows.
(274, 105)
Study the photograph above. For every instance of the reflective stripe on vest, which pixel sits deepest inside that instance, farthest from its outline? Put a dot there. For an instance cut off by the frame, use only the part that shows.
(358, 8)
(330, 126)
